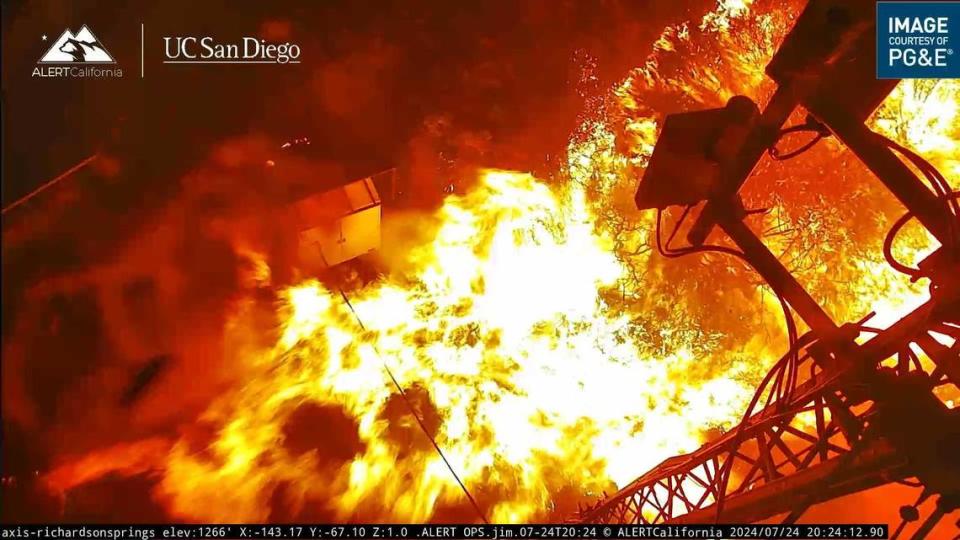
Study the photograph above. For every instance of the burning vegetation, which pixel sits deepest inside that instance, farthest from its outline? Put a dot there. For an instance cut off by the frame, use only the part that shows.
(518, 352)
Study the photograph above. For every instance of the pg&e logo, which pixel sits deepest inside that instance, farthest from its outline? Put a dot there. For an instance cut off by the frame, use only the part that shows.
(916, 40)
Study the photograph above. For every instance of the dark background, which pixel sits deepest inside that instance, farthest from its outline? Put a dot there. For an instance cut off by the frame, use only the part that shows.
(371, 72)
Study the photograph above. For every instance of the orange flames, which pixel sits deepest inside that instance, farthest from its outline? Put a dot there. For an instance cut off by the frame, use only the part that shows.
(545, 350)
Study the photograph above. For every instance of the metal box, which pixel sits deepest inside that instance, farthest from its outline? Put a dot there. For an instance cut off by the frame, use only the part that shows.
(339, 224)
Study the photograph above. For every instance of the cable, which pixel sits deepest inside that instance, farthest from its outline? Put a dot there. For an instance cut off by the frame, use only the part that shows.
(49, 183)
(888, 241)
(724, 474)
(944, 193)
(667, 251)
(413, 411)
(785, 372)
(811, 125)
(914, 273)
(940, 184)
(788, 364)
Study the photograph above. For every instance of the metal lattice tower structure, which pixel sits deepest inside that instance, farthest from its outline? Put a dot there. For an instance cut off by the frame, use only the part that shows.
(836, 414)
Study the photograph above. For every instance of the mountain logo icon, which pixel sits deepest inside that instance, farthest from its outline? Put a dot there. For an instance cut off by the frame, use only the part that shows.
(80, 48)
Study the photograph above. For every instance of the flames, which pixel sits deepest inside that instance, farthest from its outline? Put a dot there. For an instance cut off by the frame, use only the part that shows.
(508, 353)
(535, 338)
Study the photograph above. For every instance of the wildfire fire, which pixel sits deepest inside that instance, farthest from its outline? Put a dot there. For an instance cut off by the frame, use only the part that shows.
(532, 333)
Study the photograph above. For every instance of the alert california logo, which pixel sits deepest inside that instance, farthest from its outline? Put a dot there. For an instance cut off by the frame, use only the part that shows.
(80, 55)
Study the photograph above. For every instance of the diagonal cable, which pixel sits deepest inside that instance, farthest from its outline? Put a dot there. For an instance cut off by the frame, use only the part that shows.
(413, 411)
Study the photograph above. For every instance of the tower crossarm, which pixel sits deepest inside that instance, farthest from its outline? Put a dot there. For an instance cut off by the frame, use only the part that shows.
(811, 442)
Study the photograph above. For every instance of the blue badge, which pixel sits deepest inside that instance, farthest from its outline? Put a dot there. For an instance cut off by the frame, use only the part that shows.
(917, 40)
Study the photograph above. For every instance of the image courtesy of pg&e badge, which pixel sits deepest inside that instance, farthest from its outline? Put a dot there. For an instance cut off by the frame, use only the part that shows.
(917, 40)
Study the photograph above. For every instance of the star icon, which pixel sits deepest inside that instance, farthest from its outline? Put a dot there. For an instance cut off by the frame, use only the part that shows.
(43, 37)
